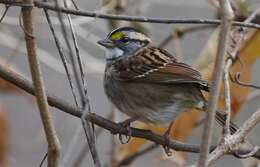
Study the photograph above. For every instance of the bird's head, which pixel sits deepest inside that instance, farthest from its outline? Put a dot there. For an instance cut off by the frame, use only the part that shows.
(124, 41)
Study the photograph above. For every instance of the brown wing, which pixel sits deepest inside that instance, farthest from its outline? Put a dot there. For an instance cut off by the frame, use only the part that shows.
(156, 65)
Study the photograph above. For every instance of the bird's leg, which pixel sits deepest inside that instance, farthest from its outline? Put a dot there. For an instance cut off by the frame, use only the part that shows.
(126, 124)
(167, 140)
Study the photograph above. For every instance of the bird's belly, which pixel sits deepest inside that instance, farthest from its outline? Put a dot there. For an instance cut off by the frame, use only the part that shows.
(162, 115)
(157, 104)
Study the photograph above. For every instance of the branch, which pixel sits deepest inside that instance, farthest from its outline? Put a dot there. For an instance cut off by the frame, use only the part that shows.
(40, 4)
(227, 16)
(227, 97)
(82, 91)
(233, 141)
(233, 56)
(62, 56)
(228, 143)
(114, 128)
(49, 6)
(52, 139)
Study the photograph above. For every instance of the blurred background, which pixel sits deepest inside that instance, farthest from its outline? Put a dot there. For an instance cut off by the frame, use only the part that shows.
(22, 138)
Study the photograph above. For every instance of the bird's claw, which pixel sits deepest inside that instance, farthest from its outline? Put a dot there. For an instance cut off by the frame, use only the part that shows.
(125, 125)
(166, 147)
(166, 135)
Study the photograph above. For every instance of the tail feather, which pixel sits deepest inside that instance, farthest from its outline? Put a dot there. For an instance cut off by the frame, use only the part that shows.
(221, 119)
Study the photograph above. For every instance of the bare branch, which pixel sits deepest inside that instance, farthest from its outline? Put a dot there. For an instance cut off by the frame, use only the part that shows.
(49, 6)
(79, 78)
(62, 56)
(137, 18)
(114, 128)
(226, 128)
(233, 56)
(233, 141)
(228, 143)
(246, 155)
(227, 16)
(52, 139)
(84, 151)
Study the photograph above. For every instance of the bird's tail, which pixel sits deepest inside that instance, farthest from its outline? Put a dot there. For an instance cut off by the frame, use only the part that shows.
(221, 119)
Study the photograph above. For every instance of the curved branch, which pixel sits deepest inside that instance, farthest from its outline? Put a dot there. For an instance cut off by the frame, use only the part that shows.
(113, 127)
(49, 6)
(138, 18)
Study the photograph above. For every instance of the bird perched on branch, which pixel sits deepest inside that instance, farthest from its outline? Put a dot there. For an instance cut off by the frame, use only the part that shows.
(147, 83)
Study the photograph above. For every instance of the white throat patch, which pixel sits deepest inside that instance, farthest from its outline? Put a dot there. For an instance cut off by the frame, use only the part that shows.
(112, 53)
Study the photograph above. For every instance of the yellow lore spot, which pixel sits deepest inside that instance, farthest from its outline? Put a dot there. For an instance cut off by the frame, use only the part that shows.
(117, 35)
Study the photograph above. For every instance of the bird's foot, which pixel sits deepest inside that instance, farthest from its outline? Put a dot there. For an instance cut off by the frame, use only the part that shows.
(126, 125)
(167, 138)
(166, 147)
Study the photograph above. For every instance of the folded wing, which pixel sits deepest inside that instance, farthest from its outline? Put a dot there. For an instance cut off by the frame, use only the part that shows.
(156, 65)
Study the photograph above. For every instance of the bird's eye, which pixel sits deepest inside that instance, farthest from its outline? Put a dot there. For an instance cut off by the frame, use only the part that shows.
(125, 40)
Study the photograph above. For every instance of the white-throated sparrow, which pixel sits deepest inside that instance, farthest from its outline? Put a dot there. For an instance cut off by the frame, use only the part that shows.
(148, 83)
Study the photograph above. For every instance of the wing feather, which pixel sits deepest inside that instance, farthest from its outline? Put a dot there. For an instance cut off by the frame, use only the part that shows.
(156, 65)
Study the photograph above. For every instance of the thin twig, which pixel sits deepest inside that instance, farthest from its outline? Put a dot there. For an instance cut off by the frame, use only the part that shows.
(76, 47)
(226, 128)
(235, 52)
(83, 152)
(227, 16)
(85, 149)
(49, 6)
(66, 107)
(242, 34)
(62, 56)
(238, 81)
(86, 109)
(43, 159)
(75, 5)
(52, 139)
(3, 15)
(247, 155)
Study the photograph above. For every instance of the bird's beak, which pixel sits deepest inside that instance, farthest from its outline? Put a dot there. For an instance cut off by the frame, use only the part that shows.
(106, 43)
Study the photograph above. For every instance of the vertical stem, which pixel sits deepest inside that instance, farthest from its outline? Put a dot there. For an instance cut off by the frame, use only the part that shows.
(83, 94)
(227, 15)
(52, 139)
(226, 128)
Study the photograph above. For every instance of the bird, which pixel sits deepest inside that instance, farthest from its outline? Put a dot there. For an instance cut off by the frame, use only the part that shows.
(148, 83)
